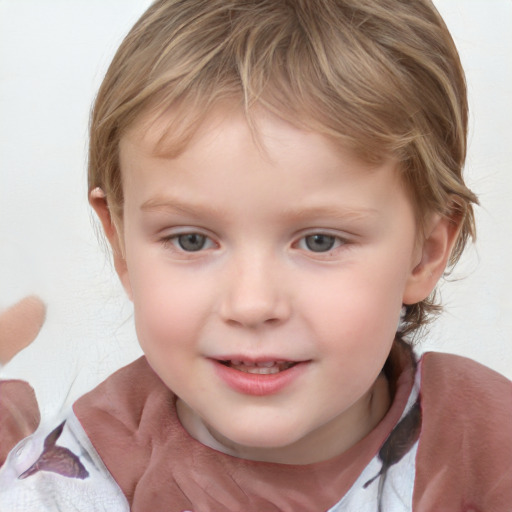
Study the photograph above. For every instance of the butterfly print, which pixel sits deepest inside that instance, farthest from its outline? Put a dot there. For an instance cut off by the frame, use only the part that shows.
(57, 459)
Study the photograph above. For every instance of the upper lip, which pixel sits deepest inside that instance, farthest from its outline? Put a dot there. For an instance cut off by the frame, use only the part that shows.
(257, 359)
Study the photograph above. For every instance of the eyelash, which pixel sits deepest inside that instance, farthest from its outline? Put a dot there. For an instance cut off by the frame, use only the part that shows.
(304, 243)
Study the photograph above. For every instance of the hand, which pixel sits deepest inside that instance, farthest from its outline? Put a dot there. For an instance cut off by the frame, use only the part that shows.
(19, 326)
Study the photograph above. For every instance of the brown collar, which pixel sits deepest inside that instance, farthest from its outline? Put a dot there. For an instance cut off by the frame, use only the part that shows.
(132, 423)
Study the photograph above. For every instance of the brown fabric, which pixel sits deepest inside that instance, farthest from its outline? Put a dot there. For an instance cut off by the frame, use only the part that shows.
(132, 423)
(19, 414)
(464, 458)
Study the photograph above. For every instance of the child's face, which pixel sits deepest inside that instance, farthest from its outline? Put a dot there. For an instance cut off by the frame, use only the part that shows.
(267, 283)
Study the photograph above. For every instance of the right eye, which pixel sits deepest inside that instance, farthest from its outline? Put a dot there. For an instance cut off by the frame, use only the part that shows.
(190, 242)
(320, 242)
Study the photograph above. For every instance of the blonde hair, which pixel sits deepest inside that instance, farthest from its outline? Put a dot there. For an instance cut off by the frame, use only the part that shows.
(381, 77)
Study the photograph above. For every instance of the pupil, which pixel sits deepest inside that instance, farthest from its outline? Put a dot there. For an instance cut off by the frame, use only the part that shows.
(192, 242)
(320, 243)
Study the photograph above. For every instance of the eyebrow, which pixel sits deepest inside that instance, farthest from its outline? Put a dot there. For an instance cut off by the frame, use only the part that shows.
(332, 212)
(174, 205)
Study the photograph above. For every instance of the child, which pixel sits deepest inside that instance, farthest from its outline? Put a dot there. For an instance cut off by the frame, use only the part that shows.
(281, 186)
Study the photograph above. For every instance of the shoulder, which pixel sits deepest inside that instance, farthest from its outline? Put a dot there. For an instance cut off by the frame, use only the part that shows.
(467, 392)
(454, 368)
(465, 446)
(56, 468)
(124, 417)
(63, 467)
(66, 467)
(125, 394)
(123, 401)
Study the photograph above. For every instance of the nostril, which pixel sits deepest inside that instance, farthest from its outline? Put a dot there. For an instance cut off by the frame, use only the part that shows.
(252, 322)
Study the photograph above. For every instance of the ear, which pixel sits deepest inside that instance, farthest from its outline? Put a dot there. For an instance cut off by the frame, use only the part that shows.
(432, 257)
(112, 231)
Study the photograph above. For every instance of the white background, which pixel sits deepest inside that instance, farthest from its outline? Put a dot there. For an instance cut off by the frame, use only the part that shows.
(53, 54)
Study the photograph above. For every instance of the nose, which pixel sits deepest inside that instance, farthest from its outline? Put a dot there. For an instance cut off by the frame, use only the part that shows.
(256, 293)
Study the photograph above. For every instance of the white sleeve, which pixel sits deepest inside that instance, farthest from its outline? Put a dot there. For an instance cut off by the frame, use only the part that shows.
(56, 470)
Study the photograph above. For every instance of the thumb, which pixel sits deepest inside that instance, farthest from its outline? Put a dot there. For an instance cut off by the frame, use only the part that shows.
(19, 326)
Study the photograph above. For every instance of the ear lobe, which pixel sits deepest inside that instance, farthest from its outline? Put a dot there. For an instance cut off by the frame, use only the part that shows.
(434, 253)
(98, 201)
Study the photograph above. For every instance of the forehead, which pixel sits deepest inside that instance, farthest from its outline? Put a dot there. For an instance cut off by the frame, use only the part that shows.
(227, 152)
(154, 158)
(169, 133)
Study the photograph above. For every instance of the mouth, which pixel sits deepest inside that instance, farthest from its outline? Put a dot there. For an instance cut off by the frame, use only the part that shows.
(259, 377)
(259, 368)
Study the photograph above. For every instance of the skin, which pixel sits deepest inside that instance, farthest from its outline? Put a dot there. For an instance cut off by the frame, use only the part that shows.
(19, 326)
(308, 256)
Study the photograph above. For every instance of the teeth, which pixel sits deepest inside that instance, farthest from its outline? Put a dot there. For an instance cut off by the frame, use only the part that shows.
(266, 364)
(260, 368)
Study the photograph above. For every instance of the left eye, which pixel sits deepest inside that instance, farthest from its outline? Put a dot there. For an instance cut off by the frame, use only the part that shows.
(319, 242)
(191, 242)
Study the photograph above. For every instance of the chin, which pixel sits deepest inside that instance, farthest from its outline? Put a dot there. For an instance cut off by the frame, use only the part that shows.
(265, 438)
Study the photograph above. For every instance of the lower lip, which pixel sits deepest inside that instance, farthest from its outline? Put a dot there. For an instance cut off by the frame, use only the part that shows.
(257, 384)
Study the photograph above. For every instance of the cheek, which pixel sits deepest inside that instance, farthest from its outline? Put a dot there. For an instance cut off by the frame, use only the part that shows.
(169, 307)
(359, 322)
(360, 305)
